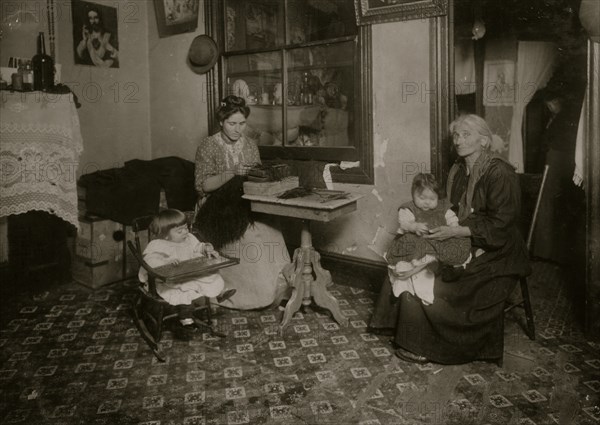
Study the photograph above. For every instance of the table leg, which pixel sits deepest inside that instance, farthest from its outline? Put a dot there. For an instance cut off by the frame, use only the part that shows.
(297, 284)
(319, 292)
(304, 286)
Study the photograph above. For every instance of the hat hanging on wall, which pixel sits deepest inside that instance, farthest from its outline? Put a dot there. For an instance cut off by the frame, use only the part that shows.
(203, 54)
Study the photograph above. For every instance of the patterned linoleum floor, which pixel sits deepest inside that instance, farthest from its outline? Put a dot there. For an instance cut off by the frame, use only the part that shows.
(72, 356)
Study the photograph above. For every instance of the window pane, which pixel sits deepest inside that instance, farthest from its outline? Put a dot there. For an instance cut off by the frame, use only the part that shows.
(253, 24)
(257, 78)
(321, 95)
(313, 20)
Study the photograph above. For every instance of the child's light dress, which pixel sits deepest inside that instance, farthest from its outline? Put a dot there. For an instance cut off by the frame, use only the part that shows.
(160, 252)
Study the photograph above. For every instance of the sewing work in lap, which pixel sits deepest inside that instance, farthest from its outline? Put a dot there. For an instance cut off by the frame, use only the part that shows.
(224, 218)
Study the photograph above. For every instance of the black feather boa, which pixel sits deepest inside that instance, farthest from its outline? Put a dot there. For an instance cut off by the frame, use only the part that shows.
(224, 216)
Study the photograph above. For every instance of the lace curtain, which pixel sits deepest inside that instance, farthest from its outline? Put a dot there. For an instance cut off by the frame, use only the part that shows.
(464, 67)
(535, 65)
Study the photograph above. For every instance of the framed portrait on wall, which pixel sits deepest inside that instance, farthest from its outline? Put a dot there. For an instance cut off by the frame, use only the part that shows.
(499, 83)
(176, 16)
(95, 34)
(378, 11)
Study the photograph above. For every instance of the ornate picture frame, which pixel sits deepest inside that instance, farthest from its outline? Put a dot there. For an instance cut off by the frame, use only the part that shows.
(176, 16)
(95, 34)
(377, 11)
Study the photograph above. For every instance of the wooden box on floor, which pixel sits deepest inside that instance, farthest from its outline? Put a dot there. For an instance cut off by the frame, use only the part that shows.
(99, 252)
(99, 239)
(99, 274)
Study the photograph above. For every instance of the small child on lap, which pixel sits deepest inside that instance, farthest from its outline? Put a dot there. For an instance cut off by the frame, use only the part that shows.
(410, 251)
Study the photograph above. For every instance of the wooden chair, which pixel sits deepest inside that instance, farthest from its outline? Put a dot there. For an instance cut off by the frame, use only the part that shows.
(150, 311)
(532, 188)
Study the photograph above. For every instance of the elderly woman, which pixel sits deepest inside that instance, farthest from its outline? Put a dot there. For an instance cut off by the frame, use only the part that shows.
(224, 219)
(465, 321)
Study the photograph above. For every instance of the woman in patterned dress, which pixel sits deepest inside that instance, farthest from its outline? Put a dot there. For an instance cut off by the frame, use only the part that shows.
(224, 219)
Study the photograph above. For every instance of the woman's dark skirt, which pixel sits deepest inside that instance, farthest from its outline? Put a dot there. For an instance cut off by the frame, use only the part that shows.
(464, 323)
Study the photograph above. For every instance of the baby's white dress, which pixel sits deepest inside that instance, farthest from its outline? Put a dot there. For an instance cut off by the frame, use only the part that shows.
(160, 252)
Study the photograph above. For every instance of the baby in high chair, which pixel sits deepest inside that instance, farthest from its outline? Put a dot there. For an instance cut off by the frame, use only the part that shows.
(171, 242)
(411, 257)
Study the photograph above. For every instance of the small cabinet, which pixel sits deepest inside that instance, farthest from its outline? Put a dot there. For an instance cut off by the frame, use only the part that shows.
(298, 65)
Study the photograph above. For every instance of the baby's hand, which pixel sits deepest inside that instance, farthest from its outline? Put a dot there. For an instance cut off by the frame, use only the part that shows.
(210, 251)
(421, 229)
(173, 261)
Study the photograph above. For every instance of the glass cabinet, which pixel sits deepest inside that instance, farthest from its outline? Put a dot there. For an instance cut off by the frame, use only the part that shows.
(297, 63)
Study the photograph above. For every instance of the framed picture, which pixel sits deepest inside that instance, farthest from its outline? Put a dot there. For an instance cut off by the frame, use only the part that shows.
(95, 34)
(377, 11)
(499, 83)
(176, 16)
(261, 25)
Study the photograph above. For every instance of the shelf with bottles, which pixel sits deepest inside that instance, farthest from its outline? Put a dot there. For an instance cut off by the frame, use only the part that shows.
(294, 69)
(304, 86)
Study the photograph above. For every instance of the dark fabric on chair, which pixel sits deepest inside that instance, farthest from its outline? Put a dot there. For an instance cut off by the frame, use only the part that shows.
(122, 194)
(174, 175)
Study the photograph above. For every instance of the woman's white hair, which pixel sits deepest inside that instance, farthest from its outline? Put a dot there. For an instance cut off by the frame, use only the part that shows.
(475, 123)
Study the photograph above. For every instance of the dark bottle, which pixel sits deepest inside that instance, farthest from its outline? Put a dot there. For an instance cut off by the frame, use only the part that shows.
(304, 90)
(43, 67)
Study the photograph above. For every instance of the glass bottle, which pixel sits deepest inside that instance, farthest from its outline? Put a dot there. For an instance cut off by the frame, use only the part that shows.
(43, 67)
(28, 76)
(21, 67)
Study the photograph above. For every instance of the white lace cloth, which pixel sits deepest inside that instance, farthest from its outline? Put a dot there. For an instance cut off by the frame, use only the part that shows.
(39, 154)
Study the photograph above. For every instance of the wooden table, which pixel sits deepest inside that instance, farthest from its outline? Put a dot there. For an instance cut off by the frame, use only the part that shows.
(41, 144)
(306, 260)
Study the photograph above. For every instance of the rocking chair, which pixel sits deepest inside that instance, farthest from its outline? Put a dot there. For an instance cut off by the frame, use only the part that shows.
(150, 311)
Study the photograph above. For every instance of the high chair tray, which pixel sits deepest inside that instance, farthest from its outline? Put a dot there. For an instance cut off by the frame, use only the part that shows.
(193, 268)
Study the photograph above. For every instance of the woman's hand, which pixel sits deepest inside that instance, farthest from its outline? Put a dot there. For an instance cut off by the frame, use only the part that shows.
(243, 169)
(403, 275)
(445, 232)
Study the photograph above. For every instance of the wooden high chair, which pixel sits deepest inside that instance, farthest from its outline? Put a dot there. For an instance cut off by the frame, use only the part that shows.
(150, 311)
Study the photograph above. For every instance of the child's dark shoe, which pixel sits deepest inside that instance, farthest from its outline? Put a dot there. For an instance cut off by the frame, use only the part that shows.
(380, 331)
(184, 332)
(225, 295)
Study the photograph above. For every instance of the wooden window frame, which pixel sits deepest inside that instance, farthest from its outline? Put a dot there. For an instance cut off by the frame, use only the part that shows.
(362, 150)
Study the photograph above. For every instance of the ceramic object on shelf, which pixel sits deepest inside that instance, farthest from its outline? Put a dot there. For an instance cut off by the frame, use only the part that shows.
(240, 88)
